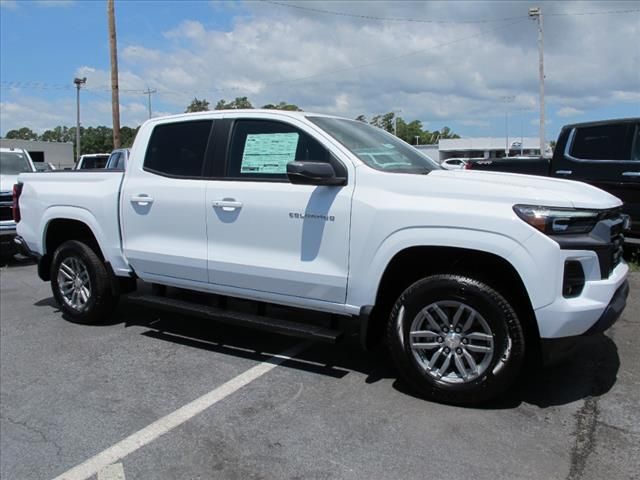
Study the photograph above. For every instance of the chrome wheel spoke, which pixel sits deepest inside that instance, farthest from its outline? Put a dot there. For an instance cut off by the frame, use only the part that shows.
(456, 317)
(66, 271)
(445, 365)
(443, 316)
(478, 348)
(480, 336)
(469, 322)
(460, 367)
(425, 345)
(432, 321)
(469, 358)
(435, 357)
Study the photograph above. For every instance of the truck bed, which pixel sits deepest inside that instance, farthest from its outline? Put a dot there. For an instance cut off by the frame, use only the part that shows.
(88, 196)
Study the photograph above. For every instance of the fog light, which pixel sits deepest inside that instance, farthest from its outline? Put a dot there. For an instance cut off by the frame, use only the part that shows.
(573, 282)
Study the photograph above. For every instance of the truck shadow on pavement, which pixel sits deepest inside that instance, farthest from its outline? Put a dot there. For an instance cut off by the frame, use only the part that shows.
(590, 372)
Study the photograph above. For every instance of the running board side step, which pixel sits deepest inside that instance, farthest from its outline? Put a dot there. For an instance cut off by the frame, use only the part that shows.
(259, 322)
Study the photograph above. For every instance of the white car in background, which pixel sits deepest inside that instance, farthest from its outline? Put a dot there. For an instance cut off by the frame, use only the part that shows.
(13, 161)
(453, 164)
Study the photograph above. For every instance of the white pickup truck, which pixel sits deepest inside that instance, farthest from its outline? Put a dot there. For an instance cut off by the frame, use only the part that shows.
(461, 273)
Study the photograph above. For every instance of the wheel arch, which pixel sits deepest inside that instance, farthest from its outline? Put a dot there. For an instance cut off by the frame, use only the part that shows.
(414, 262)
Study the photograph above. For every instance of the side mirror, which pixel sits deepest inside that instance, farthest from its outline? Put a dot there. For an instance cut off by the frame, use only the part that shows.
(313, 173)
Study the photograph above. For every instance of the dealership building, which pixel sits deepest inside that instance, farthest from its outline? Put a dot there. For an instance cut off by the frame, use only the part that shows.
(59, 154)
(483, 147)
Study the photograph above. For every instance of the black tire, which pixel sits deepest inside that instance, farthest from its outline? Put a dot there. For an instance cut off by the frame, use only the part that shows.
(502, 352)
(101, 301)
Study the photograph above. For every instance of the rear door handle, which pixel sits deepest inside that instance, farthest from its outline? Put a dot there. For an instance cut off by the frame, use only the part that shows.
(564, 172)
(142, 199)
(227, 205)
(631, 174)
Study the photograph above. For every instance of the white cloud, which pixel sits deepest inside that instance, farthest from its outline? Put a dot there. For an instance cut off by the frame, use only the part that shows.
(9, 4)
(569, 112)
(439, 73)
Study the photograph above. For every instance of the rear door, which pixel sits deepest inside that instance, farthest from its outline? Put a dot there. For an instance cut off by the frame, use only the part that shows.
(163, 205)
(268, 235)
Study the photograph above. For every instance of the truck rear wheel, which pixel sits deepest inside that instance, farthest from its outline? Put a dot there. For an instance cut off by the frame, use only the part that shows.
(455, 340)
(80, 283)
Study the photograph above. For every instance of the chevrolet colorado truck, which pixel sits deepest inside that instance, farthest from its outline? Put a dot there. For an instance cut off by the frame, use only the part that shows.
(461, 273)
(605, 154)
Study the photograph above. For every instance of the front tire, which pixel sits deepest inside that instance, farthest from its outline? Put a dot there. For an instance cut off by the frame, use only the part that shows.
(80, 283)
(455, 339)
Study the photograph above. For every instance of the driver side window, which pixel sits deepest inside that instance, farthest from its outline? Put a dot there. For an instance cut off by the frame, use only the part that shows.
(261, 149)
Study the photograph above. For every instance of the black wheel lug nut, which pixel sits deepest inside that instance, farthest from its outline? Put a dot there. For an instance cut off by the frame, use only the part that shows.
(445, 330)
(440, 339)
(465, 341)
(458, 329)
(447, 350)
(459, 351)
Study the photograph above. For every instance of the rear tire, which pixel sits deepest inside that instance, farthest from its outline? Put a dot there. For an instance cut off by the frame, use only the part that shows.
(81, 284)
(455, 340)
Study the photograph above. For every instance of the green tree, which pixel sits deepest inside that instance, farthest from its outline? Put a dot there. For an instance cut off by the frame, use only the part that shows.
(385, 122)
(58, 134)
(238, 103)
(283, 106)
(23, 133)
(128, 135)
(197, 106)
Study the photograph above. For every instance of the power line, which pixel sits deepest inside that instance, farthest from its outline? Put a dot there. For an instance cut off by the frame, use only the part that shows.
(389, 19)
(451, 22)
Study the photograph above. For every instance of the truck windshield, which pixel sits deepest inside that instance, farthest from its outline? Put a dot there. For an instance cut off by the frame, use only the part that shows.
(375, 147)
(13, 163)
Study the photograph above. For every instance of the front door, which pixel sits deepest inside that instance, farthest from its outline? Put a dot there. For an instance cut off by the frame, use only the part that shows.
(268, 235)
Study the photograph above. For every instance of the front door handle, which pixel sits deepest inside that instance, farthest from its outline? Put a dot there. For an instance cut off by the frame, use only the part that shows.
(631, 174)
(142, 199)
(564, 172)
(227, 205)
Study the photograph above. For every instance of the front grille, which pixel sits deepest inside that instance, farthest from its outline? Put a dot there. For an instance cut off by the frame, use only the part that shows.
(610, 254)
(617, 242)
(5, 213)
(6, 202)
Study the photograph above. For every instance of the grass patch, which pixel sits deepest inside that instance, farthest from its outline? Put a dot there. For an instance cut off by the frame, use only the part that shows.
(632, 256)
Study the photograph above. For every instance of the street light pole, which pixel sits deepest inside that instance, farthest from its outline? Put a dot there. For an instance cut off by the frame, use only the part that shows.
(78, 82)
(395, 125)
(537, 14)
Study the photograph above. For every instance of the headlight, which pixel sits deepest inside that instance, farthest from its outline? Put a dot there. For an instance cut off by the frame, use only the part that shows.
(556, 220)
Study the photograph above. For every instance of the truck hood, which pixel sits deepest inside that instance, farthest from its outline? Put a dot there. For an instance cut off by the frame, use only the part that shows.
(7, 182)
(515, 188)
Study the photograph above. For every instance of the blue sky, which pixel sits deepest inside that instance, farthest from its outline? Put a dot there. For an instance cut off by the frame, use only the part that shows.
(477, 61)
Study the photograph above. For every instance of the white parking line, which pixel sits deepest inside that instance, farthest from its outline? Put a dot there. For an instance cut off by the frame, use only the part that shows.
(112, 472)
(167, 423)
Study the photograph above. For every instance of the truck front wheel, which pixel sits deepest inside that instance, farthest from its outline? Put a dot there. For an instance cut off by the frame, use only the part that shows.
(455, 339)
(80, 283)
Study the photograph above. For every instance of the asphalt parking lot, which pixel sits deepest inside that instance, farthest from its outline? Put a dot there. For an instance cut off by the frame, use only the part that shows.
(124, 394)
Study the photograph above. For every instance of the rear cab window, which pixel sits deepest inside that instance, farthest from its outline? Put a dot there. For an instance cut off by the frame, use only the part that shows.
(603, 142)
(178, 149)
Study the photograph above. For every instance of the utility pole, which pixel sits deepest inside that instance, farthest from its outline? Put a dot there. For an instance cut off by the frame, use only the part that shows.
(395, 124)
(79, 82)
(537, 14)
(115, 97)
(148, 93)
(507, 99)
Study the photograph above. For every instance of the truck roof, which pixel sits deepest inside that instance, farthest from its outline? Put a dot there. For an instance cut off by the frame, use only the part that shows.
(250, 111)
(603, 122)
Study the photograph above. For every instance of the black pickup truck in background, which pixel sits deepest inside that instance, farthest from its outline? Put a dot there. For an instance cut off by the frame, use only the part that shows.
(605, 154)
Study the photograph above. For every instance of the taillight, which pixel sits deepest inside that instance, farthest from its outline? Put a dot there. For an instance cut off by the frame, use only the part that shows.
(17, 191)
(467, 166)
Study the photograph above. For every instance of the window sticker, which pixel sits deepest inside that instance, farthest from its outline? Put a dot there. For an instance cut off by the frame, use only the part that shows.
(269, 153)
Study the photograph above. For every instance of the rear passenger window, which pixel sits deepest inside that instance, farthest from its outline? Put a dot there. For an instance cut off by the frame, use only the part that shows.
(178, 149)
(606, 142)
(262, 149)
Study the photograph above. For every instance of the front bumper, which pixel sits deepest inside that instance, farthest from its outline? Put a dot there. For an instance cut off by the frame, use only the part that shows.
(554, 350)
(570, 317)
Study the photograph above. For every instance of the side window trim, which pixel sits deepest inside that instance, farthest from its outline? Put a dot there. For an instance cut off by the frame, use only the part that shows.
(569, 146)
